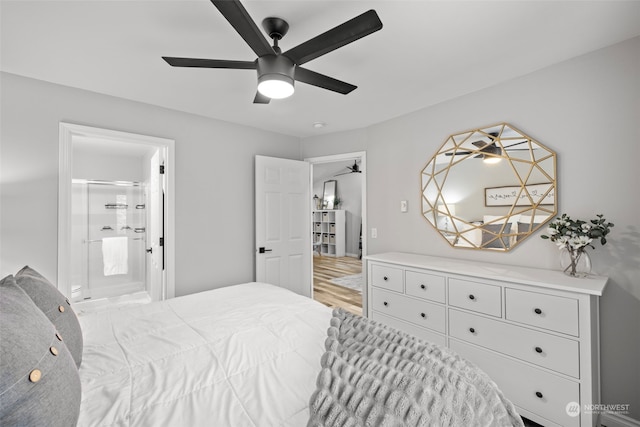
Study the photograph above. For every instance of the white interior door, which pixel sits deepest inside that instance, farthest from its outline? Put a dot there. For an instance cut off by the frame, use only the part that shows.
(283, 224)
(155, 228)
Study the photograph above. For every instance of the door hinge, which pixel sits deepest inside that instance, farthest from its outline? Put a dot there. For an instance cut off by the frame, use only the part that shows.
(161, 241)
(161, 169)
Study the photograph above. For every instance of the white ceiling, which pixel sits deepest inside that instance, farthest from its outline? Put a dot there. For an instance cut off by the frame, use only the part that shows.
(427, 52)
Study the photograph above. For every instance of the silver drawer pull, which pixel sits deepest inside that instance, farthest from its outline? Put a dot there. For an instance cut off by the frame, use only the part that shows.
(472, 330)
(472, 297)
(385, 278)
(539, 395)
(423, 315)
(385, 303)
(538, 350)
(423, 287)
(537, 311)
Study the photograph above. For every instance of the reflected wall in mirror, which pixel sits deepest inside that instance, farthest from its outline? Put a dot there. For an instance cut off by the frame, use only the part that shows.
(329, 194)
(489, 188)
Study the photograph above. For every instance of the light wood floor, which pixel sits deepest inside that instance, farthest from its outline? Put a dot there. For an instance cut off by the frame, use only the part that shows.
(326, 268)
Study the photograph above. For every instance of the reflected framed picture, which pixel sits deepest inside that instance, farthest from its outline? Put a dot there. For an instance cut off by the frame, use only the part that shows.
(534, 194)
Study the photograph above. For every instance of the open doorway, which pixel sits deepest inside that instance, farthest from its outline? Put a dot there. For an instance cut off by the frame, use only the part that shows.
(115, 217)
(338, 186)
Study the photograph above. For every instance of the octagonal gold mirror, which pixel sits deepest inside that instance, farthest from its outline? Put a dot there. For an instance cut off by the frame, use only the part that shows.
(489, 188)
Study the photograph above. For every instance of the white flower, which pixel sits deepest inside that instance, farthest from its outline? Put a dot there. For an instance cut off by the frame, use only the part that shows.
(552, 231)
(578, 242)
(586, 227)
(562, 242)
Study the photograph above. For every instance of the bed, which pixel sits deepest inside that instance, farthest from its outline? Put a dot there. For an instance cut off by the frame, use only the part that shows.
(246, 355)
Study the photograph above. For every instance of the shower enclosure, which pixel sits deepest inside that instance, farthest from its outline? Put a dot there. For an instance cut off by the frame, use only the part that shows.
(108, 239)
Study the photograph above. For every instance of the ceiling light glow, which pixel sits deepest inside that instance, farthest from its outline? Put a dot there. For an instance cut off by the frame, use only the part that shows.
(275, 86)
(491, 159)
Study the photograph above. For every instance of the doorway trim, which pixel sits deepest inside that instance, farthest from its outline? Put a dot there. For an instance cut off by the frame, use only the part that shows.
(69, 131)
(362, 157)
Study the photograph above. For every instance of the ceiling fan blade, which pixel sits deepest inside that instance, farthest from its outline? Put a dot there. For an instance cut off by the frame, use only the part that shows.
(479, 144)
(261, 99)
(239, 18)
(343, 34)
(517, 143)
(209, 63)
(320, 80)
(457, 153)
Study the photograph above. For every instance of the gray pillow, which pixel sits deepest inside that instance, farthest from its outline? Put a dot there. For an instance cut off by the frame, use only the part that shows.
(39, 381)
(55, 306)
(489, 239)
(525, 227)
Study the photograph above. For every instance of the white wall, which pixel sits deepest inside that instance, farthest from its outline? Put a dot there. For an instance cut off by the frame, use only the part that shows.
(214, 179)
(587, 110)
(107, 167)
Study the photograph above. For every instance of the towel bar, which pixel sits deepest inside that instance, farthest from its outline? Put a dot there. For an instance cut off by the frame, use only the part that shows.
(100, 240)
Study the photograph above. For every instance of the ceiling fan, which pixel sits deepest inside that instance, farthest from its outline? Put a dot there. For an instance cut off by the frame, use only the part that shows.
(486, 148)
(352, 169)
(277, 71)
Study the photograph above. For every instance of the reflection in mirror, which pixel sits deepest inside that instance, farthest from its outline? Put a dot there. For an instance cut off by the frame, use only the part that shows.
(489, 188)
(329, 194)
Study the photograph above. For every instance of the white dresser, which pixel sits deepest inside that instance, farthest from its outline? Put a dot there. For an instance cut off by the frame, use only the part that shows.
(534, 331)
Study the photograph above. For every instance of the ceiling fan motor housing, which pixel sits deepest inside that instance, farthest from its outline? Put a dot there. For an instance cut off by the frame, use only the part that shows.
(276, 67)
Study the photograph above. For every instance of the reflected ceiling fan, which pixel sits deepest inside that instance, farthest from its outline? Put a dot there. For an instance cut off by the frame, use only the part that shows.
(352, 169)
(277, 71)
(486, 148)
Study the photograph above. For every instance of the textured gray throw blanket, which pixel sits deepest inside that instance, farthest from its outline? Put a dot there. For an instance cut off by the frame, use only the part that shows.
(374, 375)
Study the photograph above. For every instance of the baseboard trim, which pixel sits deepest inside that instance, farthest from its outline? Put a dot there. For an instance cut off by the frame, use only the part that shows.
(615, 420)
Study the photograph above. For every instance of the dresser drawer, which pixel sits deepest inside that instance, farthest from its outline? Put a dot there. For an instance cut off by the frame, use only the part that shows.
(540, 392)
(550, 312)
(424, 334)
(387, 277)
(418, 312)
(549, 351)
(475, 296)
(424, 285)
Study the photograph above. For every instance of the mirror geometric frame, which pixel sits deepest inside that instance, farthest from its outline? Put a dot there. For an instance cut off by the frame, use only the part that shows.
(515, 189)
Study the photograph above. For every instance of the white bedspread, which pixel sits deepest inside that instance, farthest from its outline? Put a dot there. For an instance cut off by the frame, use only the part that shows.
(245, 355)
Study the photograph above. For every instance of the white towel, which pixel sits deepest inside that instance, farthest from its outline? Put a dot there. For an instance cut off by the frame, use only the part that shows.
(115, 255)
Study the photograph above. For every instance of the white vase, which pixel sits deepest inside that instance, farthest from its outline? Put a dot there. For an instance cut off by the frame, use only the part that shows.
(575, 263)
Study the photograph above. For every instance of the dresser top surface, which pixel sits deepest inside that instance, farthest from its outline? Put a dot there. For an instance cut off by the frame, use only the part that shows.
(593, 285)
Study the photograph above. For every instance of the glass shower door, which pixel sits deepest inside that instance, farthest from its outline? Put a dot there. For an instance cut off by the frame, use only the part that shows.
(111, 261)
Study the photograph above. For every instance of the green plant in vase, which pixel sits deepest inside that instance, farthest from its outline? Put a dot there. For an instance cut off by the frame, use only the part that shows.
(573, 237)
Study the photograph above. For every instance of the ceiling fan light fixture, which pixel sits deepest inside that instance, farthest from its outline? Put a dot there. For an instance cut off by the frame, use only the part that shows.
(275, 76)
(491, 159)
(275, 86)
(491, 154)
